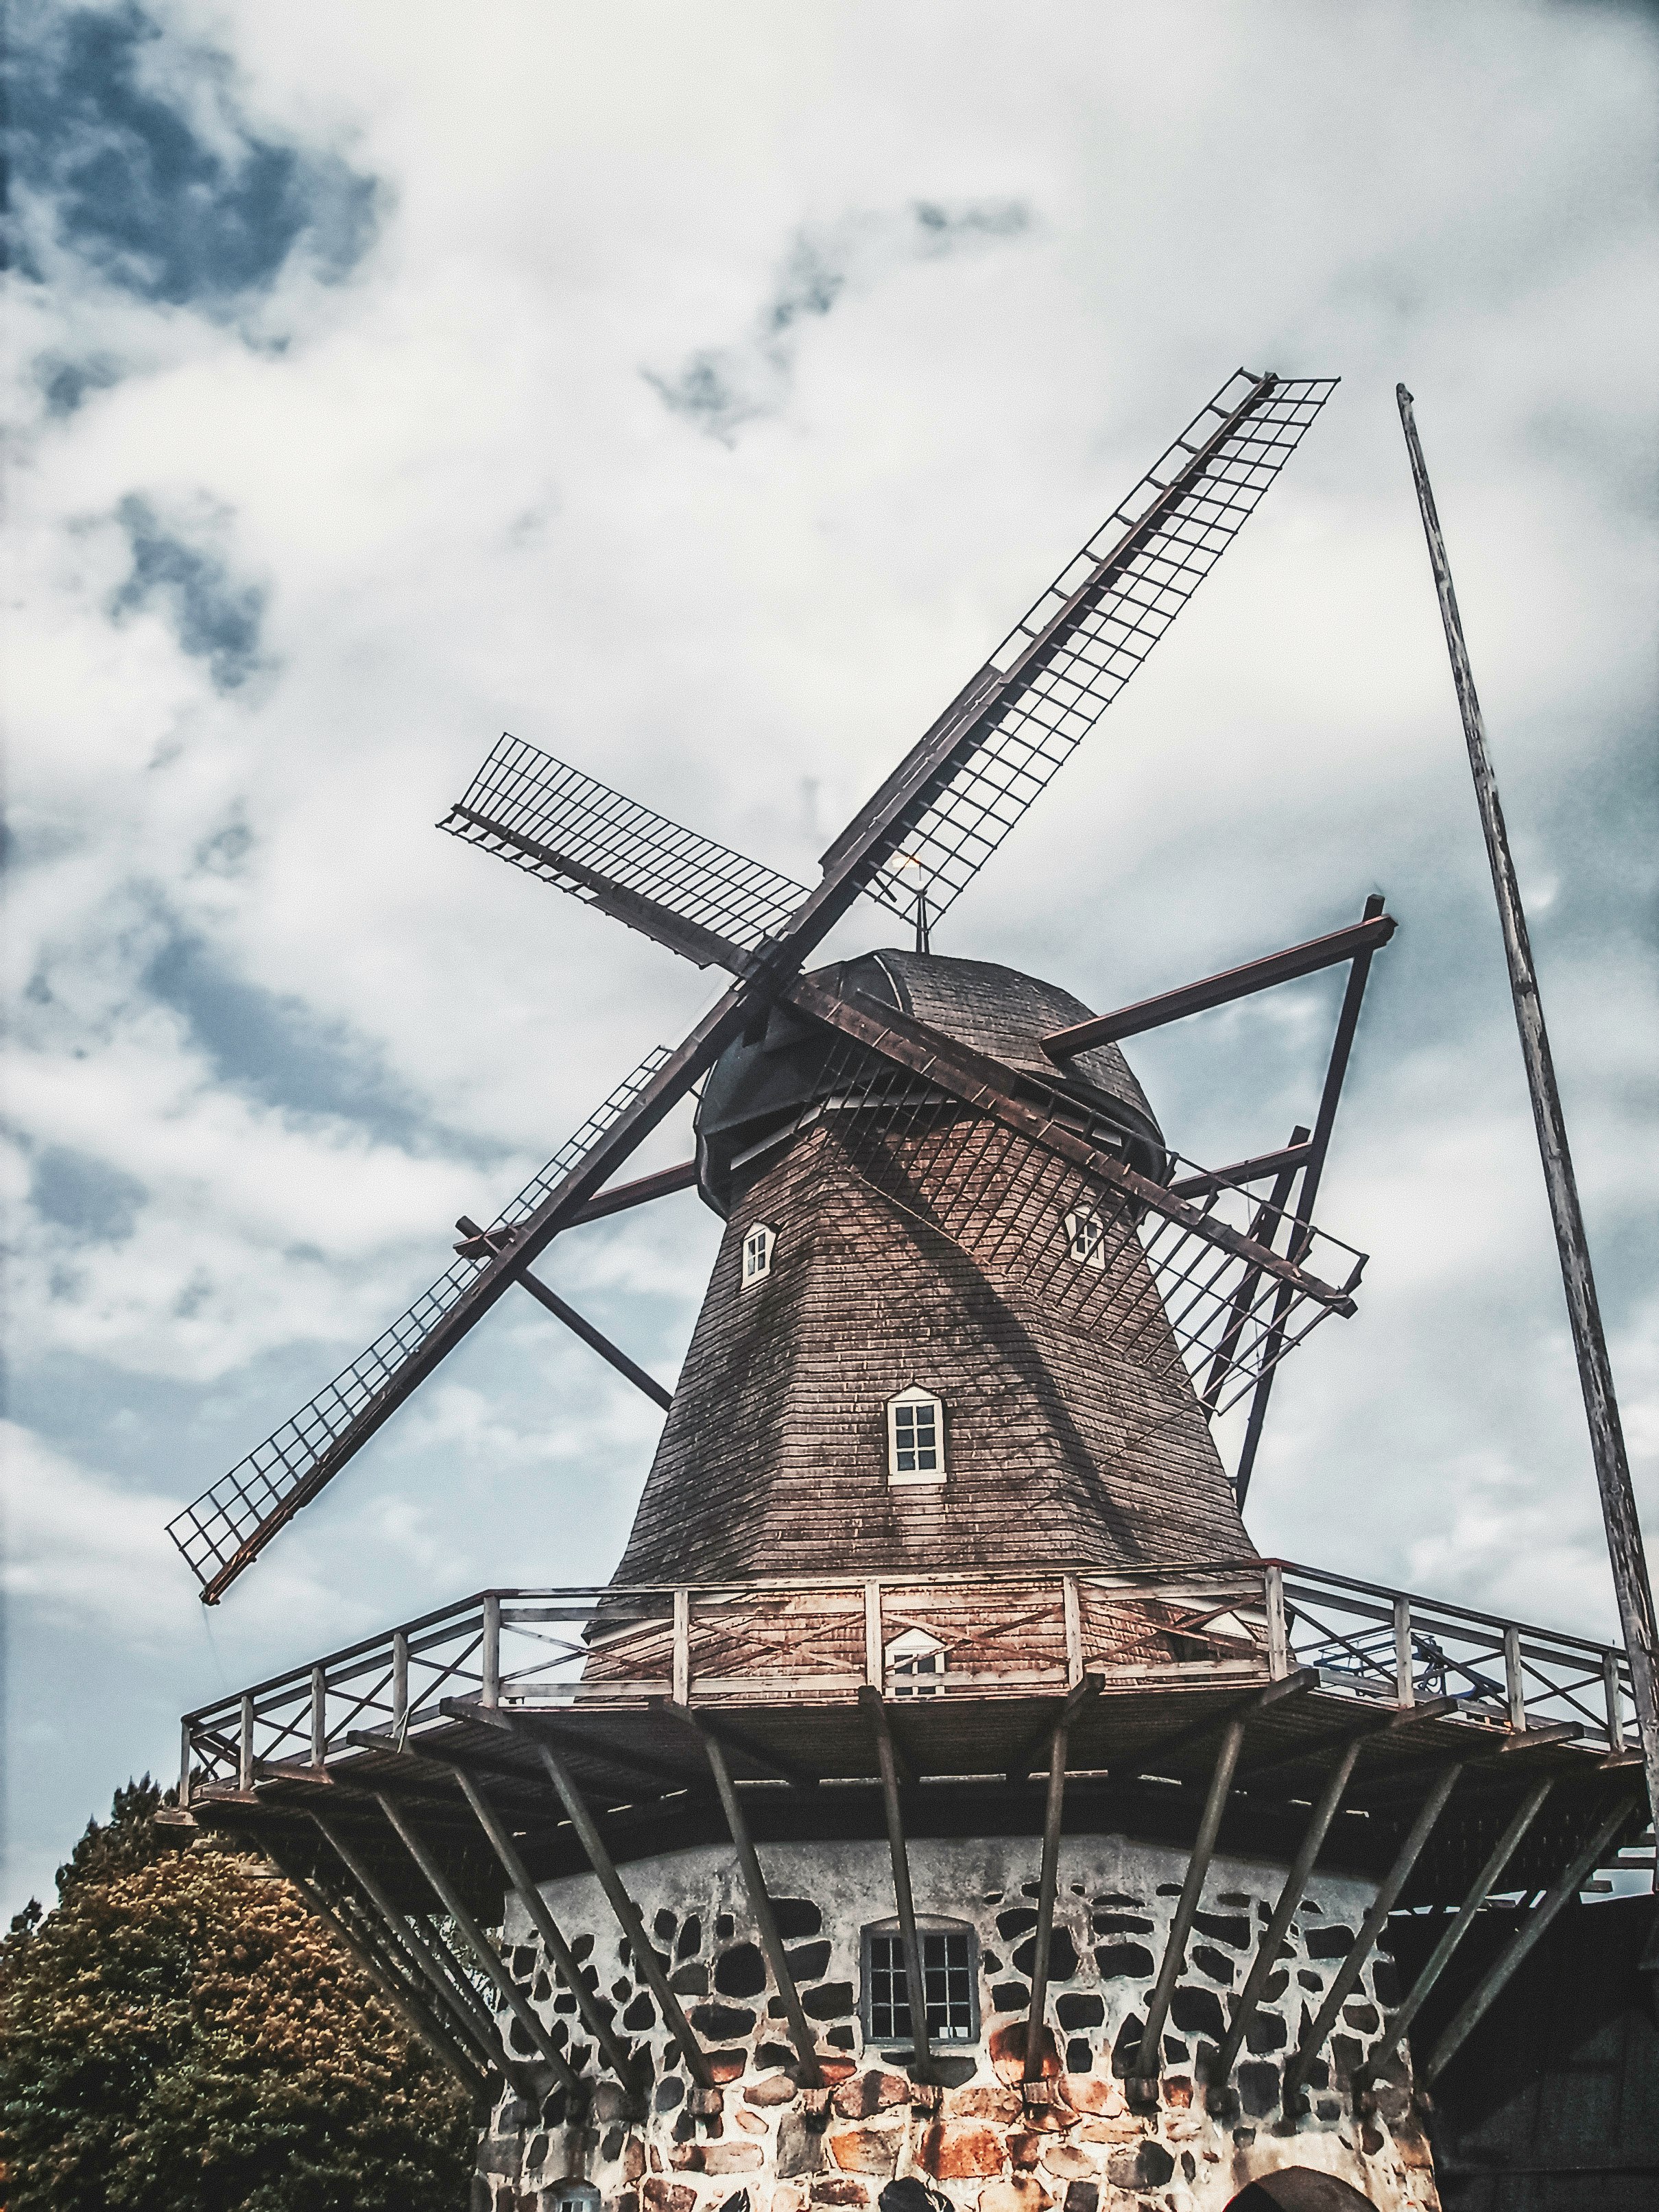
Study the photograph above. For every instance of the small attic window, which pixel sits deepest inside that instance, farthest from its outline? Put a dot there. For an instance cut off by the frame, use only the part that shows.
(915, 1665)
(1085, 1234)
(757, 1246)
(916, 1438)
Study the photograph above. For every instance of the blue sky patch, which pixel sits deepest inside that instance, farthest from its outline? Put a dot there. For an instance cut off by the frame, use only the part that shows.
(215, 619)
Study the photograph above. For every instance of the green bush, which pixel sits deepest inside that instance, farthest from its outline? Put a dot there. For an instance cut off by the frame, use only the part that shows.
(181, 2035)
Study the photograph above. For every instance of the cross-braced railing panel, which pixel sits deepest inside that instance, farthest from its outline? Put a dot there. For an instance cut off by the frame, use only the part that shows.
(1163, 1291)
(562, 826)
(1094, 626)
(212, 1529)
(816, 1639)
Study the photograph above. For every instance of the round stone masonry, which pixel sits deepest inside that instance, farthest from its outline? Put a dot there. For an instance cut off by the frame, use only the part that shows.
(975, 2136)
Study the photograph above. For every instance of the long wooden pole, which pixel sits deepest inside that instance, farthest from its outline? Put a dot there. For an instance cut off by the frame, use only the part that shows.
(1630, 1569)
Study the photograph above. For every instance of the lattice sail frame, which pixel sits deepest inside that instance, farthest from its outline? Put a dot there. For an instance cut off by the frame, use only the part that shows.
(1115, 626)
(537, 812)
(211, 1530)
(1194, 1305)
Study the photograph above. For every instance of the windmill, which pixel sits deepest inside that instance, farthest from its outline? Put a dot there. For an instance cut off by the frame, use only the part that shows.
(1234, 1260)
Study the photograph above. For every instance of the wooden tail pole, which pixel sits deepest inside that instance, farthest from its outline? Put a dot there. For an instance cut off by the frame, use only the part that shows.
(1630, 1570)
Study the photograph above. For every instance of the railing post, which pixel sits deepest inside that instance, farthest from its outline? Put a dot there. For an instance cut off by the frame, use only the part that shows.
(1279, 1637)
(1073, 1631)
(399, 1680)
(681, 1647)
(319, 1716)
(244, 1746)
(875, 1665)
(1515, 1679)
(1613, 1691)
(490, 1692)
(184, 1766)
(1405, 1690)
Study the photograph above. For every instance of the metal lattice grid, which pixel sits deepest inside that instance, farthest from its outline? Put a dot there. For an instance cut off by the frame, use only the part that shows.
(1166, 1292)
(537, 812)
(1093, 627)
(222, 1519)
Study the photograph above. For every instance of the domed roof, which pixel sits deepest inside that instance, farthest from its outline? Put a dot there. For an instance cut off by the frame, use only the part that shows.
(760, 1083)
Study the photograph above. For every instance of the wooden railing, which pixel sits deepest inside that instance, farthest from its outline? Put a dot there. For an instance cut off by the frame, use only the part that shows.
(819, 1640)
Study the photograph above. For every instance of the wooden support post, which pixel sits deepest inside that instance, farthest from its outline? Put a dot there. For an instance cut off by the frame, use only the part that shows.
(399, 1683)
(1474, 2008)
(1612, 1693)
(481, 1947)
(875, 1660)
(489, 1656)
(1346, 1976)
(1289, 1901)
(1624, 1530)
(646, 1962)
(1279, 1634)
(1485, 1882)
(1048, 1882)
(1405, 1686)
(319, 1718)
(1147, 2059)
(682, 1668)
(245, 1744)
(1073, 1610)
(1515, 1681)
(801, 2033)
(596, 2019)
(915, 1981)
(455, 1994)
(398, 1993)
(1084, 1693)
(185, 1750)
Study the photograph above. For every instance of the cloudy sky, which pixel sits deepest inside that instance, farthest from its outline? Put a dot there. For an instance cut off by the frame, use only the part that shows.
(698, 391)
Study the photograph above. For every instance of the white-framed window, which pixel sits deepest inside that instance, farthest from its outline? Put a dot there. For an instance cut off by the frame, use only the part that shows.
(757, 1245)
(1085, 1234)
(916, 1438)
(915, 1665)
(949, 1968)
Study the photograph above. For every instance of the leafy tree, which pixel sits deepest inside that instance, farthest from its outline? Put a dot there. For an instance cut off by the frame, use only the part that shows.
(179, 2035)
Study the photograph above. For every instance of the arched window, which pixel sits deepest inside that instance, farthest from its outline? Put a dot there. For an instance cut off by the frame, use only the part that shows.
(915, 1436)
(915, 1665)
(949, 1970)
(757, 1246)
(1085, 1234)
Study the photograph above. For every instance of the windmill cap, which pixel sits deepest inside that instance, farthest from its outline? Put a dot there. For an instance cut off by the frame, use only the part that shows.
(761, 1083)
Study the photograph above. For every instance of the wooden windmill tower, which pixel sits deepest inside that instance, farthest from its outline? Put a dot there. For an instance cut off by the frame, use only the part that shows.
(936, 1513)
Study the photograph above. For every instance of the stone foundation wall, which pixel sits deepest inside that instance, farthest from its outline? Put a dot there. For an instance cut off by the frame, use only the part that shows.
(975, 2138)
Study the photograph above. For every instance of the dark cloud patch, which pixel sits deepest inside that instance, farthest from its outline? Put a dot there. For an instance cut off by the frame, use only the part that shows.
(65, 384)
(215, 619)
(86, 1200)
(276, 1049)
(722, 388)
(130, 148)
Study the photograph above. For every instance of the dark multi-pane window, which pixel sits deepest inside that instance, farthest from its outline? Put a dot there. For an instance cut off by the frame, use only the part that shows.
(913, 1438)
(947, 1975)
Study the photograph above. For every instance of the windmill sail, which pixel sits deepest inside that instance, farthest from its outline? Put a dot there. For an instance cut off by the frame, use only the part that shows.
(1060, 667)
(227, 1526)
(700, 898)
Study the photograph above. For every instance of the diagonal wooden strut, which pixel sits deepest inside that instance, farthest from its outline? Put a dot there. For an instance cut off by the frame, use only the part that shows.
(1264, 1228)
(921, 2058)
(1048, 1883)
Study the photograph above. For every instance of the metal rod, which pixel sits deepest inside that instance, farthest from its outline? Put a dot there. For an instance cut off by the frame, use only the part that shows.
(1347, 1022)
(628, 1913)
(801, 2033)
(1181, 1926)
(1624, 1530)
(1367, 936)
(921, 2064)
(1474, 2008)
(1289, 1901)
(535, 1904)
(1485, 1882)
(600, 1343)
(398, 1993)
(480, 1946)
(1048, 1882)
(1353, 1965)
(457, 1996)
